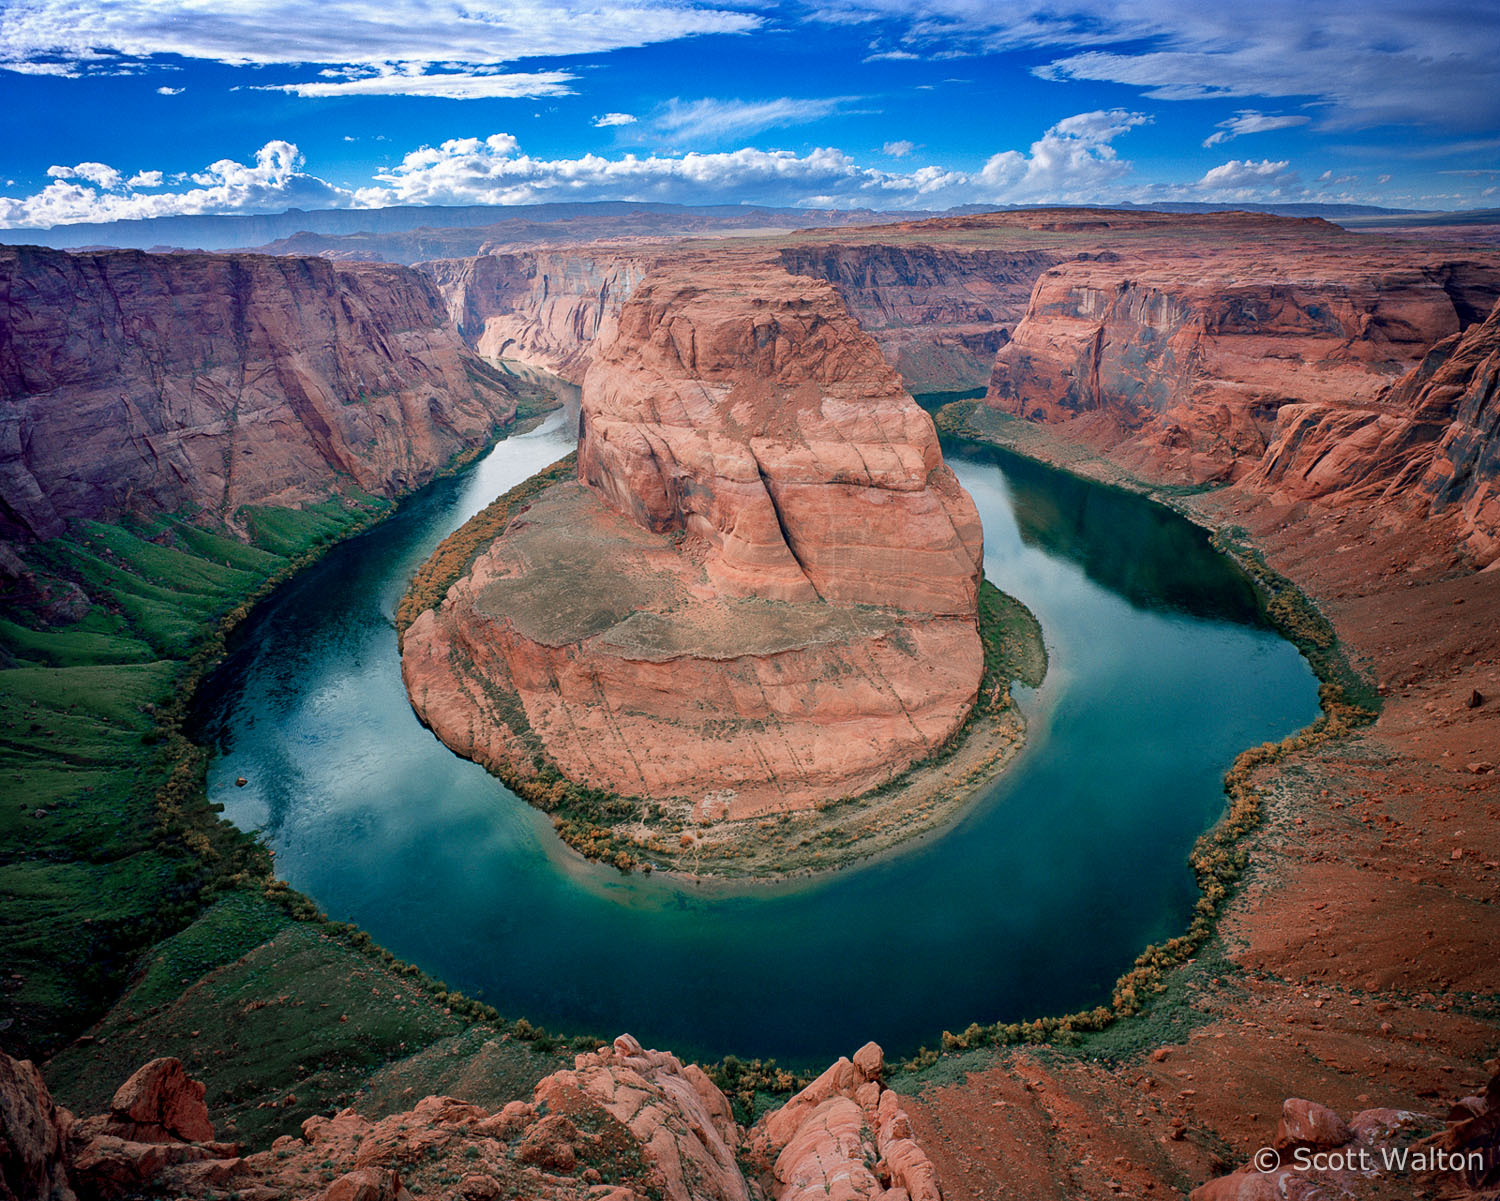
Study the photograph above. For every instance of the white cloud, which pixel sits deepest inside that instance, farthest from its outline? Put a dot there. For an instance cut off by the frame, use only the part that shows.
(164, 91)
(1242, 179)
(471, 171)
(1248, 120)
(63, 70)
(898, 149)
(716, 120)
(609, 119)
(96, 192)
(97, 174)
(445, 34)
(407, 80)
(1074, 160)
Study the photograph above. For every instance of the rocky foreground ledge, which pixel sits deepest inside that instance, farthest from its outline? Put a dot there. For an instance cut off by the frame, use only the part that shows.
(624, 1124)
(760, 595)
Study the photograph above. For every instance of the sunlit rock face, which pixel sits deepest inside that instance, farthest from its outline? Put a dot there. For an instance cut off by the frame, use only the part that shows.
(761, 593)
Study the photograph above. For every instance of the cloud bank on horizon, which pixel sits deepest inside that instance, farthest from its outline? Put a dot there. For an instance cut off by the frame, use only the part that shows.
(140, 108)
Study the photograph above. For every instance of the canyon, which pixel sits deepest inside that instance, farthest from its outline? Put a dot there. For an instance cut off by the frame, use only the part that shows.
(1324, 400)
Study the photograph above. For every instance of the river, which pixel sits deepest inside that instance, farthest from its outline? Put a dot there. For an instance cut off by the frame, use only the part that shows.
(1033, 902)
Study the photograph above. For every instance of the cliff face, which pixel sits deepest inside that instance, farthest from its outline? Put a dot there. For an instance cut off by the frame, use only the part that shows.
(938, 313)
(1189, 358)
(545, 308)
(763, 594)
(1433, 442)
(163, 382)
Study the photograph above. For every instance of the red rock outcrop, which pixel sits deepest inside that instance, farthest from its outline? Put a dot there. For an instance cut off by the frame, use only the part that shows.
(1183, 360)
(623, 1124)
(845, 1135)
(763, 594)
(164, 382)
(33, 1136)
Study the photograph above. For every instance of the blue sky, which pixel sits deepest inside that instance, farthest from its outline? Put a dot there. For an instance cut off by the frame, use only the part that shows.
(133, 108)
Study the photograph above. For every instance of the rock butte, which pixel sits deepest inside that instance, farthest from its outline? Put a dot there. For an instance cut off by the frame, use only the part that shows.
(761, 593)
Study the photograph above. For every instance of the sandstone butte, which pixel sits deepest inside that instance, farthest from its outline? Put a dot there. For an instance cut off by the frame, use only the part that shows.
(761, 592)
(623, 1124)
(162, 383)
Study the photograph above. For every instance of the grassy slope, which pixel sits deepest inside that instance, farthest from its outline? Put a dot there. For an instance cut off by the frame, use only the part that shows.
(115, 870)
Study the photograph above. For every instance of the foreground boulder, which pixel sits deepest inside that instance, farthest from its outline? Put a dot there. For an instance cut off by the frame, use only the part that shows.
(1378, 1154)
(623, 1124)
(33, 1136)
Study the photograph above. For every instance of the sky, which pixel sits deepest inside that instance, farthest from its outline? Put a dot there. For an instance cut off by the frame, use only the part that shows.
(139, 108)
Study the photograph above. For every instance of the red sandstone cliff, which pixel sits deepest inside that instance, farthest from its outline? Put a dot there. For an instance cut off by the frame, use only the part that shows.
(764, 596)
(1189, 357)
(163, 382)
(938, 312)
(545, 308)
(1432, 442)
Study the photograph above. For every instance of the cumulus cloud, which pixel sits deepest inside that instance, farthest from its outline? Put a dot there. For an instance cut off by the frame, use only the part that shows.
(492, 171)
(98, 174)
(1243, 179)
(1073, 160)
(606, 120)
(408, 80)
(1248, 120)
(898, 149)
(97, 192)
(1371, 63)
(165, 91)
(716, 120)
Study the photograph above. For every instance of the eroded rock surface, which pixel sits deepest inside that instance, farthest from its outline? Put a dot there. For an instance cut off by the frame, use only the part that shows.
(1184, 360)
(762, 593)
(623, 1124)
(164, 382)
(1432, 442)
(543, 307)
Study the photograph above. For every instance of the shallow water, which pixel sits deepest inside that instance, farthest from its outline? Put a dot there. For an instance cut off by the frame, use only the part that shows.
(1033, 902)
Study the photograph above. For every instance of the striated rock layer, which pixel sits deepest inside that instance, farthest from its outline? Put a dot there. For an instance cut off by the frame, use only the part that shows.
(1432, 442)
(1187, 358)
(545, 308)
(761, 594)
(164, 382)
(939, 313)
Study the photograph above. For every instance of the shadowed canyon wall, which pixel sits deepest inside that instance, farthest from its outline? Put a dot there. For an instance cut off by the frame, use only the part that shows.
(208, 382)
